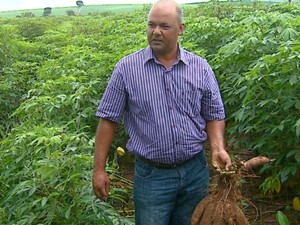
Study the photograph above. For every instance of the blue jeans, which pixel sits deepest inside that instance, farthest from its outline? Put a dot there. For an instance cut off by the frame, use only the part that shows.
(169, 196)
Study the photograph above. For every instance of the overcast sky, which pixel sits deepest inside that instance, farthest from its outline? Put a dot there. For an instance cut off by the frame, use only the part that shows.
(7, 5)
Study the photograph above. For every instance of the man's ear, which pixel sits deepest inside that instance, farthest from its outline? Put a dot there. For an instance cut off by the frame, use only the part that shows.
(181, 29)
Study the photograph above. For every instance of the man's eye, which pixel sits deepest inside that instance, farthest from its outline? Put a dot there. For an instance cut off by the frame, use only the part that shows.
(151, 26)
(165, 27)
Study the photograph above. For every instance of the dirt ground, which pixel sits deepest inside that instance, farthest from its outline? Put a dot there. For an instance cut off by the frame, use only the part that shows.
(264, 208)
(268, 206)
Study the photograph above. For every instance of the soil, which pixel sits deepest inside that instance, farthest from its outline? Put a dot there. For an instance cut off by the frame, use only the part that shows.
(261, 211)
(266, 206)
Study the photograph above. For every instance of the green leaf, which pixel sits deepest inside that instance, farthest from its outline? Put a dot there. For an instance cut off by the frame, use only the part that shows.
(54, 194)
(288, 171)
(44, 201)
(293, 80)
(297, 125)
(282, 219)
(46, 171)
(31, 192)
(68, 212)
(289, 34)
(108, 220)
(297, 105)
(55, 140)
(297, 157)
(291, 153)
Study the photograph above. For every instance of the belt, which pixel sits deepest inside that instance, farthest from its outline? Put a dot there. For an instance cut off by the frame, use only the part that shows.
(166, 165)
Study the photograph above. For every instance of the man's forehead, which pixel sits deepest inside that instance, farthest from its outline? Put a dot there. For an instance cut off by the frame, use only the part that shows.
(164, 7)
(161, 15)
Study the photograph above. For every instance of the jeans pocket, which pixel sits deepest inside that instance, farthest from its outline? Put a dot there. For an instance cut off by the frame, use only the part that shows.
(143, 169)
(202, 159)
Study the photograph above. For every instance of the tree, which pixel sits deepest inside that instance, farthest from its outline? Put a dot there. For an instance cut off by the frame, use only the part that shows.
(79, 3)
(47, 11)
(70, 13)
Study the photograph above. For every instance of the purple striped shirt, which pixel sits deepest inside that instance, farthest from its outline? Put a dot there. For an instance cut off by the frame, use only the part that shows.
(164, 110)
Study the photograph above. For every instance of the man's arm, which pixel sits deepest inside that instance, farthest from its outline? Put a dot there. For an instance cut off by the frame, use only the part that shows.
(104, 137)
(215, 132)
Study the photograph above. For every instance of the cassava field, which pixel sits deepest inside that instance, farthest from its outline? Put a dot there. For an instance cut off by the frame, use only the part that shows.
(55, 68)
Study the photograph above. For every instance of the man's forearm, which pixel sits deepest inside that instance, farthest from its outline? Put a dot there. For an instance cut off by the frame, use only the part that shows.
(215, 132)
(104, 137)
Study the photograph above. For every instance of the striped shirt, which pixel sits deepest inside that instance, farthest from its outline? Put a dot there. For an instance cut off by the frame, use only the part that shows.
(164, 109)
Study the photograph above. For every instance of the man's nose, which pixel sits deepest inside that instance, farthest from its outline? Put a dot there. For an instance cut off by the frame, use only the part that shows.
(157, 30)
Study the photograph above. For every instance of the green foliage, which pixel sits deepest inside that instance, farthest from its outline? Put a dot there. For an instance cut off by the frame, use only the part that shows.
(8, 50)
(282, 219)
(52, 173)
(32, 28)
(26, 15)
(54, 71)
(70, 13)
(50, 151)
(19, 61)
(259, 76)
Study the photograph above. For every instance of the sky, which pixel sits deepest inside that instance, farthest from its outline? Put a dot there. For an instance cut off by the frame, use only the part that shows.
(6, 5)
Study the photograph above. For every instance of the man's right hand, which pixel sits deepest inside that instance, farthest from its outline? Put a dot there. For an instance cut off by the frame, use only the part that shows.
(101, 184)
(104, 136)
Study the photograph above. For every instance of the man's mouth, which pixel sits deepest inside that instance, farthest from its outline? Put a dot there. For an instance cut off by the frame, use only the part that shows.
(156, 41)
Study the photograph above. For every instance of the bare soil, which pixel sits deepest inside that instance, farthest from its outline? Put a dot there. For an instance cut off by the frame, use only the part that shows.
(268, 205)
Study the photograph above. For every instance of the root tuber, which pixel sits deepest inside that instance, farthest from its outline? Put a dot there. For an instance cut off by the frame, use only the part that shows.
(255, 162)
(221, 206)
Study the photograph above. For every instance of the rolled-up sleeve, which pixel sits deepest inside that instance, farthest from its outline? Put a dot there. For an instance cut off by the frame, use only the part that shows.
(113, 102)
(212, 104)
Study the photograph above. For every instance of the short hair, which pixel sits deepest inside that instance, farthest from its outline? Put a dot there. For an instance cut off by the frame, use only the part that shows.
(178, 8)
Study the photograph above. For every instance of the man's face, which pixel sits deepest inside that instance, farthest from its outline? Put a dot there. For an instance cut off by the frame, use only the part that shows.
(163, 29)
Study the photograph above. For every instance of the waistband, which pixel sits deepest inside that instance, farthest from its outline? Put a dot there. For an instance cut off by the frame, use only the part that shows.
(166, 165)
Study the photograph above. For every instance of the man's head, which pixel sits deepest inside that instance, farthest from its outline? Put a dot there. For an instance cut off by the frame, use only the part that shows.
(164, 26)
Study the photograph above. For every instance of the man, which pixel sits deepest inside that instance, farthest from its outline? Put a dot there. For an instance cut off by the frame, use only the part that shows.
(171, 103)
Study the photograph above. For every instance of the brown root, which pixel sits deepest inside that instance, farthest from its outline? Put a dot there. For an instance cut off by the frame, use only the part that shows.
(219, 210)
(214, 212)
(221, 207)
(207, 217)
(200, 210)
(240, 218)
(255, 162)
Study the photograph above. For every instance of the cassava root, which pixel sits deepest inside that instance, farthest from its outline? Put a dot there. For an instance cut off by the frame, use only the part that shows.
(221, 206)
(255, 162)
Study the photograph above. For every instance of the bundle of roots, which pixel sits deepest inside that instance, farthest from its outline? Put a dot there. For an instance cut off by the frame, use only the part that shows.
(221, 206)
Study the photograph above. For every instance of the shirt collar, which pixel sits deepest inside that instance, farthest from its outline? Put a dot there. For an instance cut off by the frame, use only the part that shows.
(148, 55)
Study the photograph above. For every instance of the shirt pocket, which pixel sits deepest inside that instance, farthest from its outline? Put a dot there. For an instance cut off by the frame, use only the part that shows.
(189, 101)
